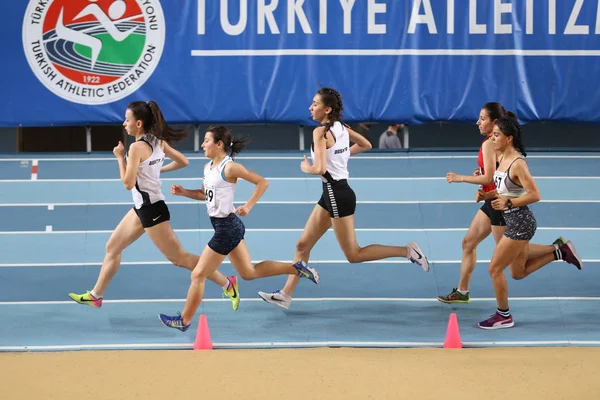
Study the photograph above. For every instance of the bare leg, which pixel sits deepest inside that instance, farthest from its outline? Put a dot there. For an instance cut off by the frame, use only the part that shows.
(165, 239)
(240, 259)
(538, 250)
(480, 229)
(523, 267)
(208, 263)
(128, 231)
(507, 252)
(318, 223)
(346, 236)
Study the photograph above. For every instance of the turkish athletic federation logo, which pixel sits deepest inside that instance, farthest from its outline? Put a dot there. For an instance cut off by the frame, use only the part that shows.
(93, 51)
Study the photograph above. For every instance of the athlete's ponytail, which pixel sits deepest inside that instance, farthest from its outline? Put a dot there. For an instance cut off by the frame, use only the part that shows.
(231, 145)
(509, 126)
(332, 98)
(154, 122)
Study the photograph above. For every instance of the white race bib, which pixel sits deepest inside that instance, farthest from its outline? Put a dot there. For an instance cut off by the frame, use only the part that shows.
(210, 193)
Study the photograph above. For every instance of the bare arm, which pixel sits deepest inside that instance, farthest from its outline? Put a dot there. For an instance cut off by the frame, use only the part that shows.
(179, 160)
(489, 167)
(128, 172)
(234, 171)
(320, 147)
(195, 194)
(522, 176)
(490, 195)
(360, 142)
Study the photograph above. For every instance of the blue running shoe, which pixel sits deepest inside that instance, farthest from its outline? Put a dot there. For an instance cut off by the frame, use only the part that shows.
(307, 272)
(173, 322)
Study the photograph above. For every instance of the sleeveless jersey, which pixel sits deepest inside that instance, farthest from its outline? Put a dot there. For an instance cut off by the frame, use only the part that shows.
(505, 185)
(147, 189)
(486, 188)
(219, 193)
(337, 155)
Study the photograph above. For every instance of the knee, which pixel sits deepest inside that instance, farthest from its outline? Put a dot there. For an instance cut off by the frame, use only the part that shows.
(353, 257)
(247, 275)
(199, 275)
(177, 260)
(112, 248)
(353, 254)
(302, 246)
(495, 271)
(517, 275)
(468, 244)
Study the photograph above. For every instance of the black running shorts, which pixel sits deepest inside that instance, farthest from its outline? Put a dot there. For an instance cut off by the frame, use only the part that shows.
(338, 199)
(153, 214)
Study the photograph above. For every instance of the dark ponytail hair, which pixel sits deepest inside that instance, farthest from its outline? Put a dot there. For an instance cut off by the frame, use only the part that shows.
(331, 98)
(154, 122)
(231, 144)
(495, 110)
(509, 126)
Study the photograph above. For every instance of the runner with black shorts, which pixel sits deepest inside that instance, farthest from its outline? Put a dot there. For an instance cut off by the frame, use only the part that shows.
(516, 190)
(140, 171)
(330, 152)
(486, 220)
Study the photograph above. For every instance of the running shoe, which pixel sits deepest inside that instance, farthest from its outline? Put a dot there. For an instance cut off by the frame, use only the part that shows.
(497, 321)
(175, 322)
(455, 297)
(416, 256)
(277, 298)
(232, 292)
(307, 272)
(570, 255)
(86, 299)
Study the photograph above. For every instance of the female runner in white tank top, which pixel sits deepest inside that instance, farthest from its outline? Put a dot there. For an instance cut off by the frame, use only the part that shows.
(140, 172)
(330, 153)
(221, 174)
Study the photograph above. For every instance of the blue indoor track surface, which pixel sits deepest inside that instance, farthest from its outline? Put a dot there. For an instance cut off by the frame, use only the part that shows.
(54, 226)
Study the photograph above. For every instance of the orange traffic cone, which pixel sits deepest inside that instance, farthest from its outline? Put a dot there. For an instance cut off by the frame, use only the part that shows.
(453, 334)
(203, 341)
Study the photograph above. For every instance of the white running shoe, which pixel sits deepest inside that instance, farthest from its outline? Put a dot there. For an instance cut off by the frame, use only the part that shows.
(277, 298)
(416, 256)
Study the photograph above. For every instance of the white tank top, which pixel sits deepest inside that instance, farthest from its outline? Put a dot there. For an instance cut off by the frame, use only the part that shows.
(505, 186)
(337, 155)
(147, 189)
(219, 193)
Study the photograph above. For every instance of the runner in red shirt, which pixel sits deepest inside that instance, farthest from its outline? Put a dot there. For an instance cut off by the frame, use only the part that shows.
(487, 220)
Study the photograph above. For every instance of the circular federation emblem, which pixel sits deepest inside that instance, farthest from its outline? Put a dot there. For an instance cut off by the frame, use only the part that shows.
(93, 51)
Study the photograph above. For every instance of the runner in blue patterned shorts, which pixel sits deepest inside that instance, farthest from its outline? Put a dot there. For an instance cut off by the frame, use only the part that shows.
(221, 174)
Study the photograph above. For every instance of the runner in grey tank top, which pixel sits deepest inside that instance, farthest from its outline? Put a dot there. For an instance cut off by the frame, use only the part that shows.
(516, 190)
